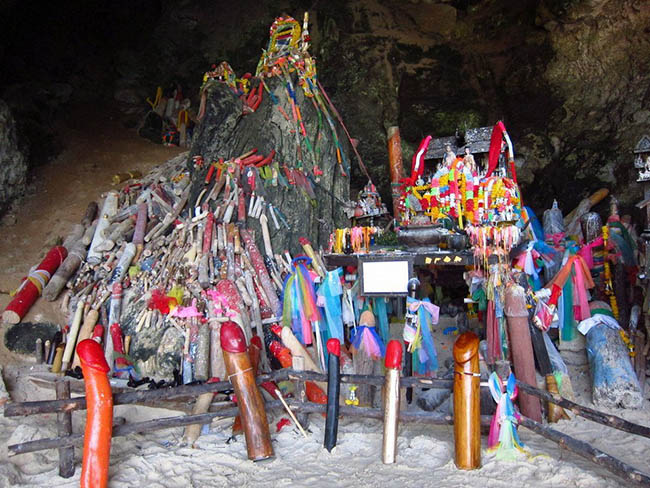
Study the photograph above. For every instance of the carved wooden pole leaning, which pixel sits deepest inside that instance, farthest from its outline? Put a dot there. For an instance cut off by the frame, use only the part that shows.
(251, 405)
(254, 349)
(108, 210)
(333, 392)
(123, 264)
(71, 339)
(396, 165)
(76, 253)
(138, 234)
(467, 407)
(114, 312)
(99, 422)
(85, 332)
(522, 349)
(393, 363)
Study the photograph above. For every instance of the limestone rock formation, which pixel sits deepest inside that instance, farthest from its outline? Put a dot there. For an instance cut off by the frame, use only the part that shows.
(226, 133)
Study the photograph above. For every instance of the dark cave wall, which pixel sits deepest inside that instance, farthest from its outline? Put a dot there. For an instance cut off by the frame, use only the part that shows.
(568, 77)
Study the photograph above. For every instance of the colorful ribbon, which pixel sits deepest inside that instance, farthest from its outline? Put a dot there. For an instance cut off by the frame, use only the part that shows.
(503, 435)
(426, 359)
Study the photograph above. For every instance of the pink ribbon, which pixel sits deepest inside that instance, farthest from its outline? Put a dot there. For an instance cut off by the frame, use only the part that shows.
(187, 312)
(429, 307)
(556, 238)
(371, 346)
(581, 302)
(220, 304)
(586, 251)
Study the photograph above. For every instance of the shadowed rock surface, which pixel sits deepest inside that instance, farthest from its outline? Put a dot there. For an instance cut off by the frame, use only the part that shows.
(568, 77)
(13, 164)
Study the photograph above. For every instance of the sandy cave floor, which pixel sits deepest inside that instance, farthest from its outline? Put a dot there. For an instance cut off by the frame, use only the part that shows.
(98, 147)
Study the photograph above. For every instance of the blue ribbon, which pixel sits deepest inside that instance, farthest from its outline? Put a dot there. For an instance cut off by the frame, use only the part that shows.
(356, 338)
(379, 307)
(427, 362)
(331, 291)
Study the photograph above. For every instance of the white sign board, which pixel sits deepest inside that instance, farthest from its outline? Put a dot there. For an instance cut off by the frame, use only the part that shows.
(385, 277)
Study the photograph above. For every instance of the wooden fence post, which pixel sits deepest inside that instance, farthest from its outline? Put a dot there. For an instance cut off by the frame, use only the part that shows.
(64, 427)
(301, 395)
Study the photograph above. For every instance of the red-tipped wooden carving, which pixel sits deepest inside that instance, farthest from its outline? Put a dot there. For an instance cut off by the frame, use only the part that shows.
(467, 407)
(99, 420)
(249, 398)
(393, 363)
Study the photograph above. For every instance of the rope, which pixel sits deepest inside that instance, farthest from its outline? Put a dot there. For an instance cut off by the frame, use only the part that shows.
(239, 372)
(38, 278)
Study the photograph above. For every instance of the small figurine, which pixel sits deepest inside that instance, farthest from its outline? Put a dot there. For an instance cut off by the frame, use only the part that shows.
(644, 173)
(449, 156)
(469, 161)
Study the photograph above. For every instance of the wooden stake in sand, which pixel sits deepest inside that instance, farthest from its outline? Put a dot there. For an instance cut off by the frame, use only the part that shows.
(254, 349)
(63, 428)
(333, 393)
(391, 394)
(522, 348)
(467, 407)
(31, 288)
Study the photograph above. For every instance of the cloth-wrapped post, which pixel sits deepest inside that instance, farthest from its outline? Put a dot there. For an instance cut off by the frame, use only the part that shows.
(333, 392)
(467, 408)
(31, 288)
(522, 349)
(393, 363)
(249, 399)
(99, 422)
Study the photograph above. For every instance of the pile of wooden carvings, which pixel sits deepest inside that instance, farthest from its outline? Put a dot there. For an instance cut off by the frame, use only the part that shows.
(162, 264)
